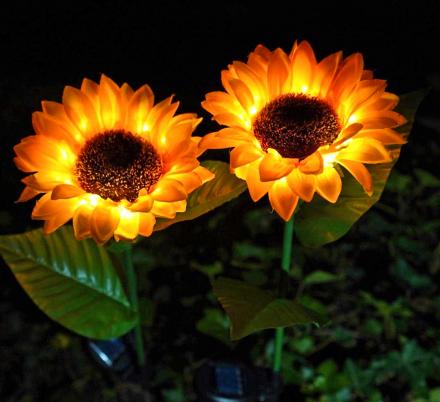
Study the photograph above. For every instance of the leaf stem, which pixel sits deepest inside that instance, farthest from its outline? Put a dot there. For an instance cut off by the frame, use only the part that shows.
(285, 265)
(134, 301)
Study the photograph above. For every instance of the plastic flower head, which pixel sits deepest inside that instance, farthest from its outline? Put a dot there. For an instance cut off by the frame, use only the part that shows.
(292, 120)
(111, 160)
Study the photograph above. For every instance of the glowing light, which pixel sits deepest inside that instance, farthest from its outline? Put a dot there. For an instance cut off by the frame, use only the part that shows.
(145, 127)
(124, 213)
(352, 119)
(83, 124)
(304, 88)
(93, 200)
(329, 159)
(253, 110)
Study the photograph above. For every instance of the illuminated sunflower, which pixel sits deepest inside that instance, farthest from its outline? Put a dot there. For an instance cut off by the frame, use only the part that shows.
(292, 120)
(110, 160)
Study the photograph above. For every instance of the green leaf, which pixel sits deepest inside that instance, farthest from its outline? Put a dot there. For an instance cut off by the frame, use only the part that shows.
(223, 188)
(317, 277)
(214, 323)
(73, 282)
(251, 309)
(320, 222)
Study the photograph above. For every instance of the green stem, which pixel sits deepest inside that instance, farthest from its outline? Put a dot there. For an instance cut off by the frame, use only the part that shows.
(134, 301)
(285, 265)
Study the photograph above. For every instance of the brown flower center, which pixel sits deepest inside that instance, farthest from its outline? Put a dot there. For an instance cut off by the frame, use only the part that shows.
(116, 164)
(296, 125)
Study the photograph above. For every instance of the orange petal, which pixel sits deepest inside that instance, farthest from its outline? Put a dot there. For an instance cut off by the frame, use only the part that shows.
(242, 93)
(273, 168)
(324, 73)
(109, 100)
(81, 222)
(381, 119)
(257, 188)
(27, 194)
(312, 164)
(163, 210)
(91, 89)
(81, 111)
(386, 136)
(244, 154)
(142, 204)
(167, 190)
(329, 184)
(360, 173)
(277, 72)
(251, 79)
(139, 106)
(146, 224)
(282, 199)
(347, 77)
(348, 132)
(365, 150)
(365, 93)
(66, 191)
(204, 174)
(302, 184)
(103, 223)
(303, 66)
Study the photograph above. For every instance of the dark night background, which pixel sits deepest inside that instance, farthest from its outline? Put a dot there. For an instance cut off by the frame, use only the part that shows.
(180, 48)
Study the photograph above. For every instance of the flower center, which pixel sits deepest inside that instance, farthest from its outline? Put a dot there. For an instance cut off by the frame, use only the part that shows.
(116, 164)
(296, 125)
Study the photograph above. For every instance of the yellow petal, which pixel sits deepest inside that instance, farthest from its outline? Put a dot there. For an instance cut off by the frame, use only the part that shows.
(128, 227)
(244, 154)
(142, 204)
(365, 150)
(167, 190)
(302, 184)
(66, 191)
(273, 168)
(329, 184)
(282, 199)
(360, 173)
(103, 223)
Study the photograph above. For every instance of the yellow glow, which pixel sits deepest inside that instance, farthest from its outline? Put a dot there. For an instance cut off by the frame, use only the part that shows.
(304, 88)
(93, 200)
(83, 124)
(329, 158)
(124, 213)
(253, 110)
(145, 127)
(352, 119)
